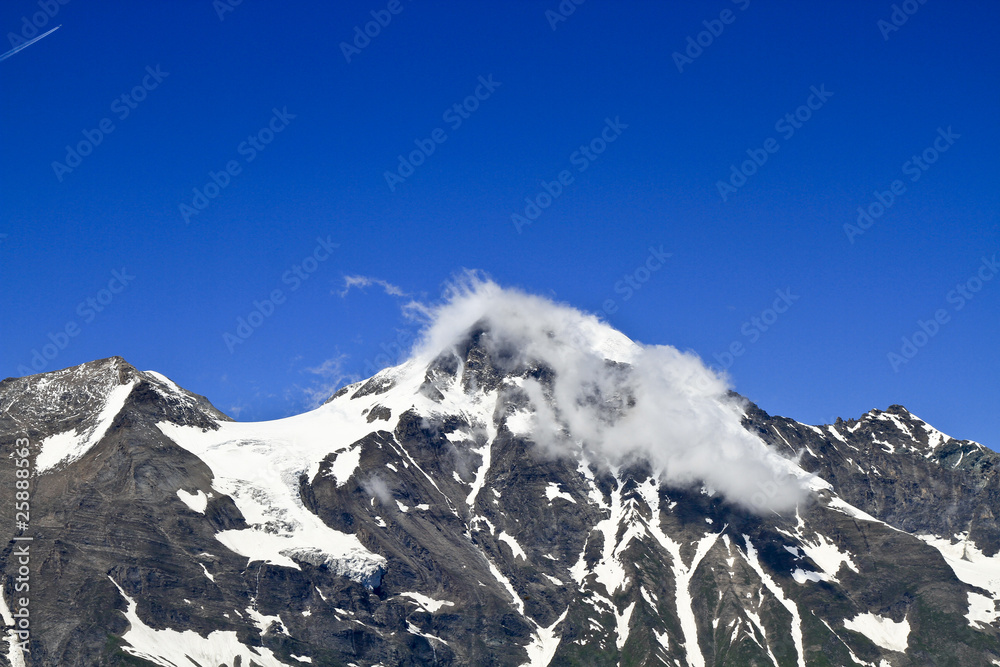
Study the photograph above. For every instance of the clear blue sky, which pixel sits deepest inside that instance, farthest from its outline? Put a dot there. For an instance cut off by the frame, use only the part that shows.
(609, 69)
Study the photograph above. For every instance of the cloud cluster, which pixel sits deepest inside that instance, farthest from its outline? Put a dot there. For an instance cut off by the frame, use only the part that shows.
(619, 398)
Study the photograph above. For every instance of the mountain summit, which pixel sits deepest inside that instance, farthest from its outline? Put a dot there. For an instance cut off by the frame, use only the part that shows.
(529, 488)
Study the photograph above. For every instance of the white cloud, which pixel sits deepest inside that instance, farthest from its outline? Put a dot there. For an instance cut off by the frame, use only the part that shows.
(367, 281)
(459, 285)
(376, 487)
(656, 402)
(331, 368)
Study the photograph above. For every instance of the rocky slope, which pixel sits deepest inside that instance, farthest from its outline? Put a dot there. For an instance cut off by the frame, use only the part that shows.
(424, 517)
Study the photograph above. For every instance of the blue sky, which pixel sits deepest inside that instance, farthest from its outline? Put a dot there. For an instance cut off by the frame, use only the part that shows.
(633, 151)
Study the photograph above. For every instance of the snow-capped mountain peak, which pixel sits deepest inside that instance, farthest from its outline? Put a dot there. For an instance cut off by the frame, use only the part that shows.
(510, 495)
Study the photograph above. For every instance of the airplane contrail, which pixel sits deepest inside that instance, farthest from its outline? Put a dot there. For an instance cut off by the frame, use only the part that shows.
(27, 44)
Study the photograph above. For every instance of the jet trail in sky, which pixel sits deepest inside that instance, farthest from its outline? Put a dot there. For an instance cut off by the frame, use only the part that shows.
(28, 43)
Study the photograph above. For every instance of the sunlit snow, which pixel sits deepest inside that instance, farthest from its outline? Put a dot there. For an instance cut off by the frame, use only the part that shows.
(882, 631)
(66, 447)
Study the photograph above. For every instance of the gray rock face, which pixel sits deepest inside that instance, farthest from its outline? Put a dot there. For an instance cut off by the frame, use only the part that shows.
(413, 520)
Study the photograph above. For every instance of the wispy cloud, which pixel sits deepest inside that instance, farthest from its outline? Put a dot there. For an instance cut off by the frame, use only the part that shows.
(362, 282)
(330, 376)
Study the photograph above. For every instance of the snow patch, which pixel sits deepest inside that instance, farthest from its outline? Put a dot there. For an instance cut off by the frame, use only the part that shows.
(815, 429)
(14, 655)
(982, 610)
(196, 501)
(263, 621)
(505, 582)
(414, 630)
(259, 465)
(66, 447)
(169, 648)
(553, 491)
(763, 635)
(682, 573)
(428, 603)
(344, 465)
(968, 562)
(836, 433)
(171, 386)
(881, 631)
(825, 553)
(579, 569)
(8, 618)
(486, 453)
(802, 576)
(888, 447)
(543, 647)
(622, 627)
(779, 594)
(609, 569)
(885, 416)
(840, 505)
(783, 439)
(314, 542)
(512, 543)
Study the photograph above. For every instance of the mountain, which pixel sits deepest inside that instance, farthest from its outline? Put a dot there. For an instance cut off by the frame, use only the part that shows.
(526, 489)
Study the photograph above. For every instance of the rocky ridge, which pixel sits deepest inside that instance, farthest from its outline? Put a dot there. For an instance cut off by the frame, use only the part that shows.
(413, 519)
